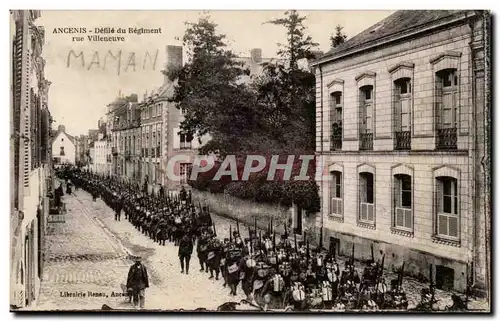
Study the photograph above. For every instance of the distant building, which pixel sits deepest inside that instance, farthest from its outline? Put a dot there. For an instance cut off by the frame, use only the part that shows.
(63, 147)
(124, 118)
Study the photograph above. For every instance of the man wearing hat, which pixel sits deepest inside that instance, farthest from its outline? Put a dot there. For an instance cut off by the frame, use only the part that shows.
(138, 281)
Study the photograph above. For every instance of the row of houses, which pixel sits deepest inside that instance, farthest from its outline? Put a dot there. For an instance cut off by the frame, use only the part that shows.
(30, 157)
(145, 133)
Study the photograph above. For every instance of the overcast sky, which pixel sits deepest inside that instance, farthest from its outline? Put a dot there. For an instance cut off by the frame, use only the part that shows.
(78, 95)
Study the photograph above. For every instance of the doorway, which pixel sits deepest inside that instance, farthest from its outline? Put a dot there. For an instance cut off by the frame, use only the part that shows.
(445, 278)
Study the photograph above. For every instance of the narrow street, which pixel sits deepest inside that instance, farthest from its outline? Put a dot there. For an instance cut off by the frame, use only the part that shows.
(90, 253)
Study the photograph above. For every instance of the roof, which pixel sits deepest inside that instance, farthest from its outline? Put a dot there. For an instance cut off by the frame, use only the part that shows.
(400, 23)
(71, 138)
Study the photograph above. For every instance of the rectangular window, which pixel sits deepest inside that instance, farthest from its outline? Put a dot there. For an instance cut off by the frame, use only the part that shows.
(186, 141)
(366, 197)
(403, 202)
(366, 101)
(336, 194)
(447, 197)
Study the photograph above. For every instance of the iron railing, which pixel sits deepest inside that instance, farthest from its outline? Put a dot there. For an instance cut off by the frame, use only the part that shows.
(336, 143)
(403, 140)
(447, 139)
(366, 141)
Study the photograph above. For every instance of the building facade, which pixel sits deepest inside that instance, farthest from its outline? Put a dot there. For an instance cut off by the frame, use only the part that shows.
(125, 117)
(30, 157)
(100, 164)
(401, 112)
(63, 147)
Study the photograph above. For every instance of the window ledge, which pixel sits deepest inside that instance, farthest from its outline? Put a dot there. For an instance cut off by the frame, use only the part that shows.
(336, 217)
(445, 241)
(401, 232)
(369, 225)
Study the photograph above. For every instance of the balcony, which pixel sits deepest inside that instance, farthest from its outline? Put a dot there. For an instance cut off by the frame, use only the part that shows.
(366, 141)
(336, 143)
(403, 140)
(127, 155)
(447, 139)
(114, 151)
(153, 154)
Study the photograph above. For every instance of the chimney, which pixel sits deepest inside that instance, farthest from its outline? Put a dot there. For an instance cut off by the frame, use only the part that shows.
(256, 55)
(174, 59)
(61, 128)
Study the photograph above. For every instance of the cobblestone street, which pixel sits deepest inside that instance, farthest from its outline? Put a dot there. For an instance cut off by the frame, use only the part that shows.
(89, 253)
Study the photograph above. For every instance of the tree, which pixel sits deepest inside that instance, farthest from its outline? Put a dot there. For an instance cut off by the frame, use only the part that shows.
(339, 37)
(298, 45)
(286, 93)
(210, 91)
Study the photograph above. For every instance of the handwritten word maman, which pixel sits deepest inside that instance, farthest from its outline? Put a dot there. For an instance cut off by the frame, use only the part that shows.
(117, 61)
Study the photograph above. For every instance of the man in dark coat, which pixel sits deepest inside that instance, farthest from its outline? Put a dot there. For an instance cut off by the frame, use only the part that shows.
(118, 207)
(185, 251)
(137, 282)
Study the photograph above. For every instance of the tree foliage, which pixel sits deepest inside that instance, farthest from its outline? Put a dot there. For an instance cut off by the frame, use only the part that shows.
(210, 92)
(338, 38)
(273, 115)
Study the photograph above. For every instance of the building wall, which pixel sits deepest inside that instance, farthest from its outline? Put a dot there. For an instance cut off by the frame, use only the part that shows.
(30, 167)
(69, 149)
(417, 60)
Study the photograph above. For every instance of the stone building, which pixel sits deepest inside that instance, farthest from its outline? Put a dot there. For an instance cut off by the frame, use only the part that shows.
(124, 116)
(63, 147)
(30, 157)
(402, 123)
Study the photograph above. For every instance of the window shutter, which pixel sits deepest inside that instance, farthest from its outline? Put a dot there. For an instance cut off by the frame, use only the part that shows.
(438, 99)
(397, 109)
(362, 115)
(405, 114)
(334, 185)
(395, 198)
(439, 204)
(176, 137)
(362, 188)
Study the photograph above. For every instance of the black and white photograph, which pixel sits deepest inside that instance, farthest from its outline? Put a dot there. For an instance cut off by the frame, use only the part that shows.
(258, 161)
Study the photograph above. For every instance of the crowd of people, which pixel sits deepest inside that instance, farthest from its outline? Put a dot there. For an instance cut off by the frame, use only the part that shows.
(274, 272)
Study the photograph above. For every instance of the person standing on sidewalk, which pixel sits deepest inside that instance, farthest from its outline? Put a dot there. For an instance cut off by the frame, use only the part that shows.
(185, 251)
(137, 282)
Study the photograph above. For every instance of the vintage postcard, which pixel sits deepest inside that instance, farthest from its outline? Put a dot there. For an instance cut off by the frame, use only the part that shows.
(258, 161)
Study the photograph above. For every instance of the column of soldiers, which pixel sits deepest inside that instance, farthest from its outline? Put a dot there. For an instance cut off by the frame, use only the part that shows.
(275, 272)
